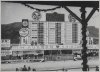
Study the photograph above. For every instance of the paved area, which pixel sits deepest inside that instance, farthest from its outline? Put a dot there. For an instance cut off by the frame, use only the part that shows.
(69, 65)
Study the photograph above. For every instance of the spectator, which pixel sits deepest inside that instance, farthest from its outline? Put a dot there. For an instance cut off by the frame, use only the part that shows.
(29, 69)
(97, 68)
(87, 67)
(21, 69)
(17, 69)
(34, 69)
(24, 68)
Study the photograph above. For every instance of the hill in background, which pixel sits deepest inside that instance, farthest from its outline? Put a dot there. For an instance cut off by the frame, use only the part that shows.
(11, 31)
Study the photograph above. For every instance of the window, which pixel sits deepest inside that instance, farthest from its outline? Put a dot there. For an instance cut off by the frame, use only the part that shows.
(58, 33)
(40, 33)
(66, 51)
(34, 37)
(5, 40)
(34, 30)
(24, 40)
(74, 33)
(51, 33)
(47, 52)
(55, 52)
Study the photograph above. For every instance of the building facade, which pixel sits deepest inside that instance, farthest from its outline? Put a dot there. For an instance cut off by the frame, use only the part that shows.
(53, 39)
(54, 31)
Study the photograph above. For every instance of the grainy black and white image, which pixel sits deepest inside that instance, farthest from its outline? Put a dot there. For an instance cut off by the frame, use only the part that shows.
(50, 36)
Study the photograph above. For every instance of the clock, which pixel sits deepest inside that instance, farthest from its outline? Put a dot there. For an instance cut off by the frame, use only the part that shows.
(71, 18)
(25, 22)
(36, 15)
(24, 32)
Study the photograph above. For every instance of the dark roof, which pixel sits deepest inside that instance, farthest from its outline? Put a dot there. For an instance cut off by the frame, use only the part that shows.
(62, 3)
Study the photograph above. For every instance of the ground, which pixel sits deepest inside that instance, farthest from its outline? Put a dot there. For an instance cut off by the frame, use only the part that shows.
(69, 65)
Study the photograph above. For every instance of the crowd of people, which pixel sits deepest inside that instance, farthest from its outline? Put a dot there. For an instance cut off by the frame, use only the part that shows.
(24, 68)
(92, 54)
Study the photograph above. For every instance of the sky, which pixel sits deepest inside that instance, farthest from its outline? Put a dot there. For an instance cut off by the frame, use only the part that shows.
(14, 12)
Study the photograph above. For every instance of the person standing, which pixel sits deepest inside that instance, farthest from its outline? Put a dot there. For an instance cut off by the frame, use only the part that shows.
(34, 69)
(17, 69)
(29, 69)
(97, 68)
(88, 68)
(24, 68)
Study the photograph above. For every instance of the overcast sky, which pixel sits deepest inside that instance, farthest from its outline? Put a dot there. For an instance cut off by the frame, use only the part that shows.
(13, 12)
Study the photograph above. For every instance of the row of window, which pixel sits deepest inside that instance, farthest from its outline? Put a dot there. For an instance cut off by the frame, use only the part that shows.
(5, 40)
(58, 33)
(55, 52)
(40, 33)
(74, 33)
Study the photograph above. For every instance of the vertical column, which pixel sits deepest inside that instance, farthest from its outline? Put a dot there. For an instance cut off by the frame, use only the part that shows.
(45, 33)
(74, 33)
(51, 33)
(34, 33)
(63, 32)
(41, 33)
(68, 33)
(84, 27)
(79, 33)
(23, 42)
(58, 33)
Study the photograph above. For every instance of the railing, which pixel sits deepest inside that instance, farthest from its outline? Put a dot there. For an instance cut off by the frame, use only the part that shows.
(71, 69)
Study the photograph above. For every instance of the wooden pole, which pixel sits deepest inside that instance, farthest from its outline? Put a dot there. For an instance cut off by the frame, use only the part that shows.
(84, 29)
(83, 21)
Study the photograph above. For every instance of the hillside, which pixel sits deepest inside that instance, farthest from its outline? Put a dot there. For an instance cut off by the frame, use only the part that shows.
(11, 31)
(93, 32)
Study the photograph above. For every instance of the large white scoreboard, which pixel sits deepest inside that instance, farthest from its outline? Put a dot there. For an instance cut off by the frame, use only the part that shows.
(50, 33)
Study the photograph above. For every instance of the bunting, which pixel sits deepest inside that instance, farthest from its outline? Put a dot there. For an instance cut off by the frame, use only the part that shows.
(41, 9)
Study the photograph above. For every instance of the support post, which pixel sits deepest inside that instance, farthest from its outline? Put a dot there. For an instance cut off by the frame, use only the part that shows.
(73, 14)
(91, 14)
(43, 55)
(84, 48)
